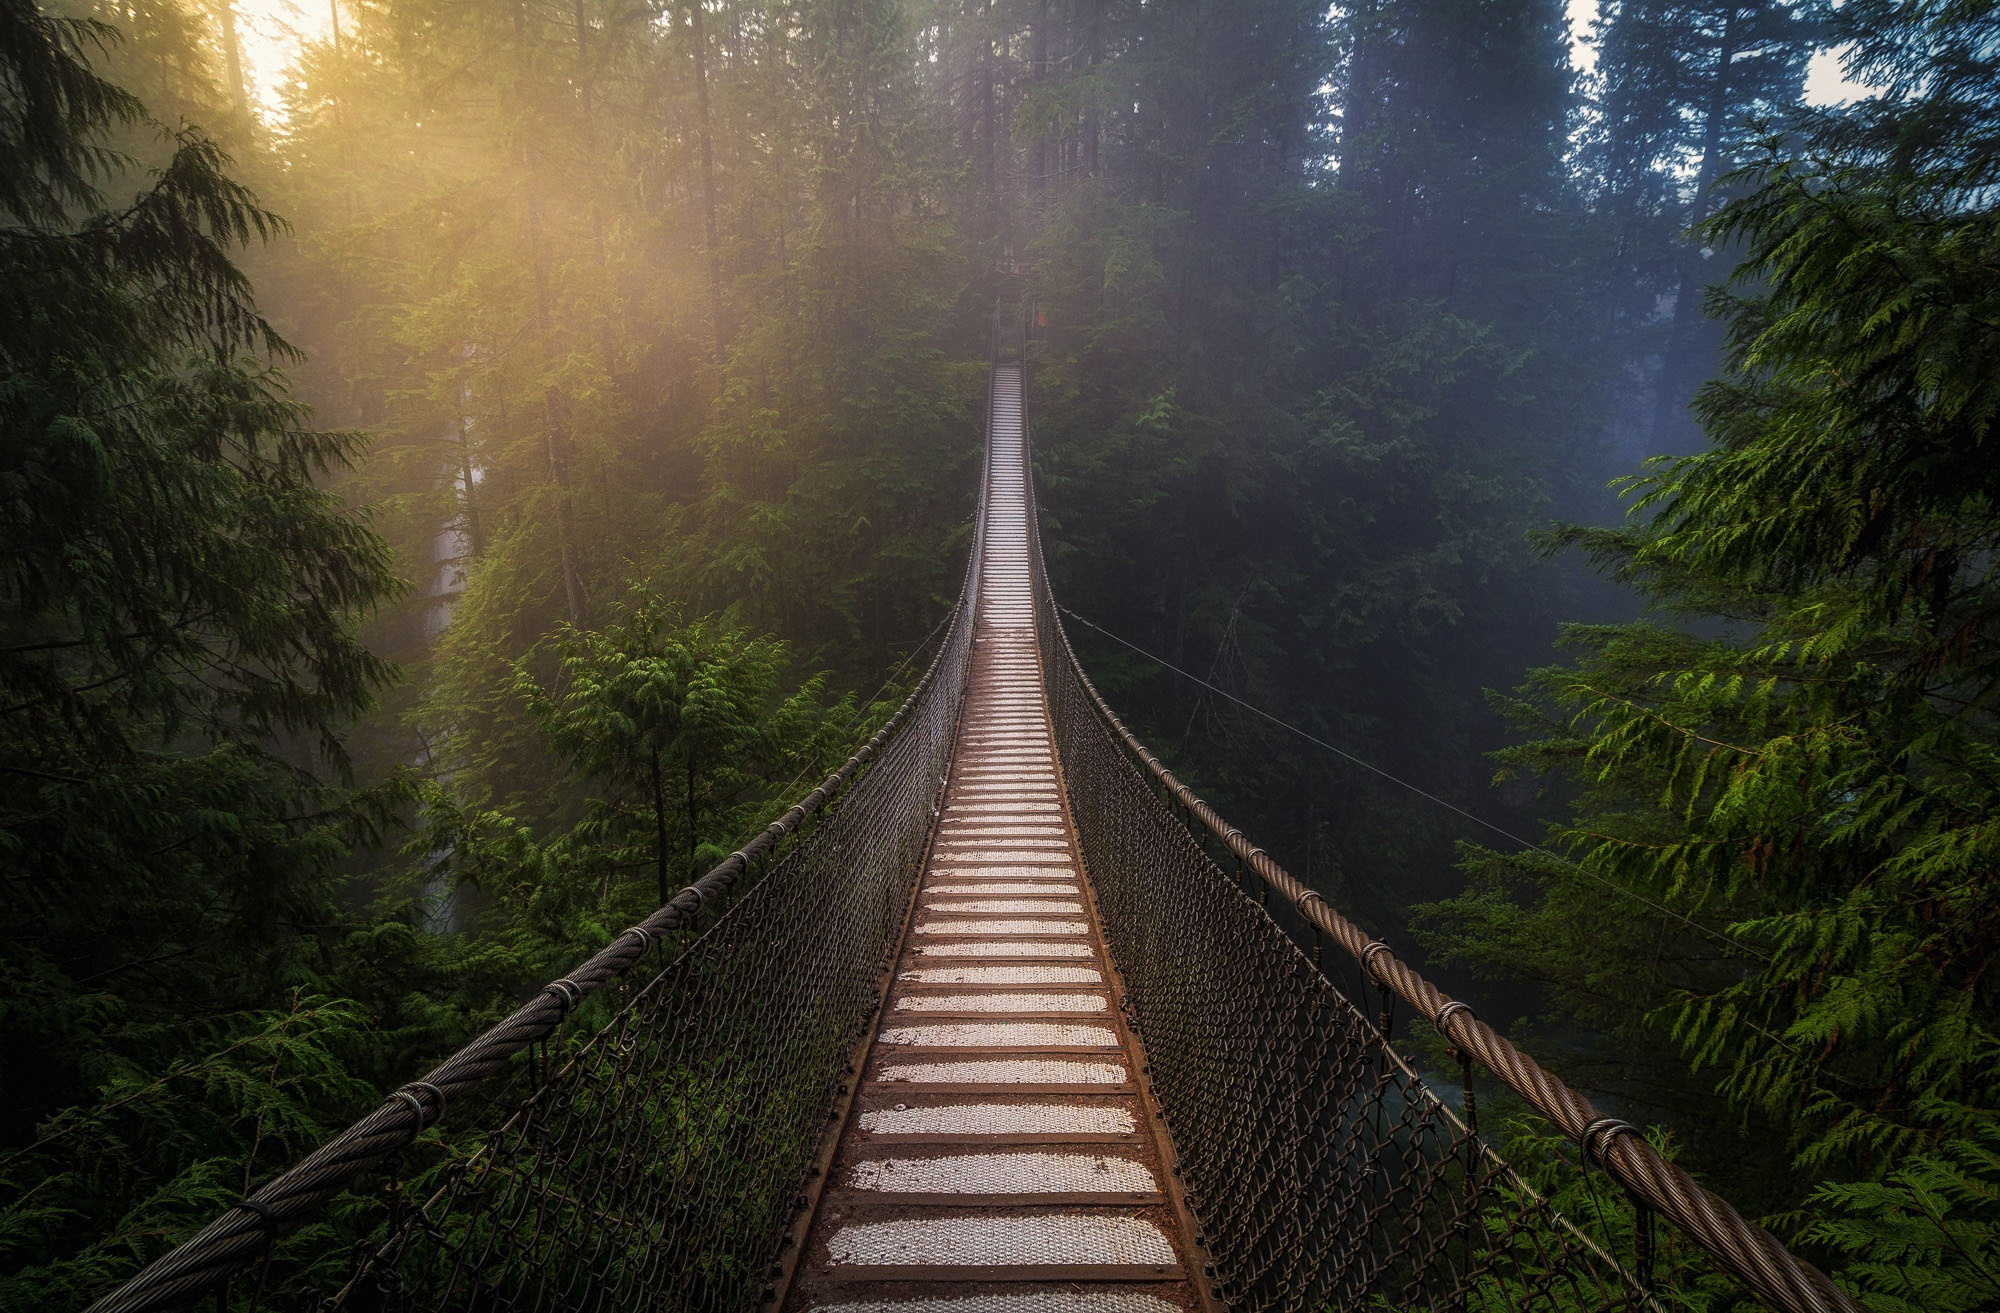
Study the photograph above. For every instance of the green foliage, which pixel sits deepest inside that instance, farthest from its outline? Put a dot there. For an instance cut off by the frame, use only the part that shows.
(1336, 304)
(1550, 1175)
(678, 730)
(102, 1185)
(1799, 780)
(178, 659)
(191, 1004)
(677, 741)
(1926, 1237)
(1293, 420)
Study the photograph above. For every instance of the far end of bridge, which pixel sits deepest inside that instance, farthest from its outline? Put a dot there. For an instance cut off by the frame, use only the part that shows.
(999, 1153)
(997, 1019)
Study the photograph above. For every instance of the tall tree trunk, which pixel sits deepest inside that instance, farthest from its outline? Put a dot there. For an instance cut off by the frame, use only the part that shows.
(1357, 106)
(708, 183)
(468, 496)
(232, 52)
(1677, 357)
(538, 259)
(1038, 72)
(586, 90)
(556, 410)
(988, 153)
(555, 406)
(694, 818)
(1093, 51)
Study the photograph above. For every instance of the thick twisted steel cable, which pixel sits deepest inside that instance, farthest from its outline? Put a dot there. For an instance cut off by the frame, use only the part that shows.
(245, 1232)
(1746, 1251)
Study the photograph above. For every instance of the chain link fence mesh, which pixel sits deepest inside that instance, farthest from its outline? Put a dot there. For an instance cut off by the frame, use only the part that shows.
(659, 1164)
(659, 1161)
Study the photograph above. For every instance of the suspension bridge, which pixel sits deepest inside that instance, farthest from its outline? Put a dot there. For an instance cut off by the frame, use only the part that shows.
(999, 1017)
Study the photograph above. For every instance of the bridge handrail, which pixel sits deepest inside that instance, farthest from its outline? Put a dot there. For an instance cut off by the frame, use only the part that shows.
(247, 1230)
(1745, 1250)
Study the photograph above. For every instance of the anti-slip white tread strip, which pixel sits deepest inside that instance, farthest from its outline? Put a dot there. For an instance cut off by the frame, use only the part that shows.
(1002, 1023)
(1001, 1119)
(1023, 1172)
(997, 1241)
(1005, 1071)
(1016, 975)
(1040, 1301)
(998, 1001)
(1002, 1034)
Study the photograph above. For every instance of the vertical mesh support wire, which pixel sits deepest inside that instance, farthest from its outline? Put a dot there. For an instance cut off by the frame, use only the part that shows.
(658, 1160)
(1324, 1172)
(659, 1165)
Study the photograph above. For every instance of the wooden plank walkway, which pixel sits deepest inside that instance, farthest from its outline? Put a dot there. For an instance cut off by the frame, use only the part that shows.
(999, 1156)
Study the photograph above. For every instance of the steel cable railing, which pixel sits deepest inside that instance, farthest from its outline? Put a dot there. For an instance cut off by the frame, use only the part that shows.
(659, 1165)
(1325, 1172)
(656, 1161)
(663, 1156)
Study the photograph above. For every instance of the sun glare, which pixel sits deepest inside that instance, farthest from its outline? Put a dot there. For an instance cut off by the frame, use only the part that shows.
(271, 33)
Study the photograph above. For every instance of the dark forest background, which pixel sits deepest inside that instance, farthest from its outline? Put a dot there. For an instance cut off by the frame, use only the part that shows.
(594, 463)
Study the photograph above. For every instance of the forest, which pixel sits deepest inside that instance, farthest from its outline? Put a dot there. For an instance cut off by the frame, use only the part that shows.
(464, 480)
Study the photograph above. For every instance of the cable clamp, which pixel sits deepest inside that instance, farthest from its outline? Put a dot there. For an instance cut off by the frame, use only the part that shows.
(267, 1220)
(415, 1105)
(1368, 952)
(568, 991)
(1448, 1011)
(646, 937)
(1596, 1138)
(411, 1091)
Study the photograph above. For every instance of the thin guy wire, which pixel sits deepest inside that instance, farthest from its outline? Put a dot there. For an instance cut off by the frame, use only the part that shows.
(1422, 792)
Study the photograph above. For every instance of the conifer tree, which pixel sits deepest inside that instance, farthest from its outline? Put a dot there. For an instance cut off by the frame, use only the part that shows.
(1683, 91)
(679, 727)
(179, 597)
(178, 661)
(1800, 776)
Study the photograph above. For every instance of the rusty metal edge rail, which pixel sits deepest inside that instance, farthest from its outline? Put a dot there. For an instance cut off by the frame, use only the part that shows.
(247, 1230)
(1742, 1248)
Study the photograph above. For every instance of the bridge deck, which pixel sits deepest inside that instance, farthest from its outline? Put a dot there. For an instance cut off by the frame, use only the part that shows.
(999, 1154)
